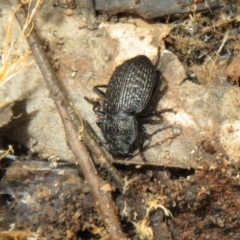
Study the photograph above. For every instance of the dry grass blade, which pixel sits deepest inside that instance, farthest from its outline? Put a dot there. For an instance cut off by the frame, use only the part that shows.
(16, 61)
(5, 153)
(18, 235)
(214, 61)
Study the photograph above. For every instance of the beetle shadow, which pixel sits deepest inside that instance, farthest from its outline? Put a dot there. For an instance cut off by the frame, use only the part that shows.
(148, 138)
(175, 132)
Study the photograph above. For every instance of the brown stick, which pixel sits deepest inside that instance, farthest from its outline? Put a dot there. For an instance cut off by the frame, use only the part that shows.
(103, 197)
(99, 155)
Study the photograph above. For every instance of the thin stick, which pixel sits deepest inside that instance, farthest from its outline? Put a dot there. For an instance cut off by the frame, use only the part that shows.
(103, 197)
(93, 143)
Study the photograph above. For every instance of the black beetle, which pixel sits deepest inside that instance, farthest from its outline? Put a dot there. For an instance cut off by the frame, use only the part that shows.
(131, 86)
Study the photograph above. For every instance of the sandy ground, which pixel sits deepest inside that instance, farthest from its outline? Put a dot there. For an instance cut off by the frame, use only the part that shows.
(85, 58)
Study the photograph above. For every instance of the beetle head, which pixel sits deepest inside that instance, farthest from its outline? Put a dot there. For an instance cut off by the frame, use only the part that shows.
(120, 132)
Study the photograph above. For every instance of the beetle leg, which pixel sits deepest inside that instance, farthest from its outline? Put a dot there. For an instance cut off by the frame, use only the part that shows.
(143, 157)
(96, 106)
(139, 146)
(142, 129)
(97, 110)
(100, 141)
(140, 143)
(141, 151)
(155, 113)
(147, 115)
(164, 111)
(99, 92)
(99, 123)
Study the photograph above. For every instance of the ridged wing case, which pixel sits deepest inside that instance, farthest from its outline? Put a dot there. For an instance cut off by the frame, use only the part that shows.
(131, 86)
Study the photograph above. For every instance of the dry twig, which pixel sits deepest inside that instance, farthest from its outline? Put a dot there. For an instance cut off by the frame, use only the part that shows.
(102, 195)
